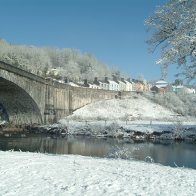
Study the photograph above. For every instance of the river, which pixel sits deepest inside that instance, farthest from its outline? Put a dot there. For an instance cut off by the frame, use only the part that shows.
(171, 153)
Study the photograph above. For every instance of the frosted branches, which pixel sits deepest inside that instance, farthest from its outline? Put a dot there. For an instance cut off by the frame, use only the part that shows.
(173, 27)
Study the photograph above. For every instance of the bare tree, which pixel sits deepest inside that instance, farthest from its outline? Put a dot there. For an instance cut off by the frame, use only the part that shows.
(173, 27)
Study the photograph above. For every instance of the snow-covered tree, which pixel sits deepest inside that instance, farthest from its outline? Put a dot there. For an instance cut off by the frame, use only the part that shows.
(68, 63)
(174, 27)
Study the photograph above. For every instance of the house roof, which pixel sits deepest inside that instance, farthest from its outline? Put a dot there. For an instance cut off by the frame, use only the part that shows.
(161, 82)
(161, 85)
(126, 81)
(73, 84)
(103, 82)
(112, 82)
(121, 82)
(178, 86)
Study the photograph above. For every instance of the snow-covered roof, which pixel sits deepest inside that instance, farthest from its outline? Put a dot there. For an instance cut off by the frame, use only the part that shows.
(102, 82)
(112, 82)
(127, 82)
(72, 84)
(161, 82)
(178, 86)
(93, 84)
(161, 86)
(61, 81)
(121, 82)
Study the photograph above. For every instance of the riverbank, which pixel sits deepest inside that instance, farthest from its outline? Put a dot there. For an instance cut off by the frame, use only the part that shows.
(35, 173)
(129, 130)
(136, 118)
(134, 130)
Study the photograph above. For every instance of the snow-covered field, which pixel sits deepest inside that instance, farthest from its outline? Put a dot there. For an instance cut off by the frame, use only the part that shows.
(23, 174)
(123, 117)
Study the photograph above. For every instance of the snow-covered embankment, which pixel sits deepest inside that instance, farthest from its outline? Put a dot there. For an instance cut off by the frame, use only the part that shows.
(135, 117)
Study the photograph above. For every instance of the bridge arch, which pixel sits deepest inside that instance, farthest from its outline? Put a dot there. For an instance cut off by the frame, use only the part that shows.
(18, 104)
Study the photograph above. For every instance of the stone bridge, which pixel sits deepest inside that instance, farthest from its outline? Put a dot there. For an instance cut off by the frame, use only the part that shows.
(26, 98)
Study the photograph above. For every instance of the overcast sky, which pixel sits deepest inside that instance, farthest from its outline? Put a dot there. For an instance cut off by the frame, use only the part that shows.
(111, 30)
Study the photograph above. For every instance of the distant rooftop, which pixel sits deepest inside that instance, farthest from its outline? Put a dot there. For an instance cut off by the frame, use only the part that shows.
(161, 82)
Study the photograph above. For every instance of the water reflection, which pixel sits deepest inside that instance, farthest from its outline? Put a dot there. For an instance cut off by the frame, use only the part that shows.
(166, 153)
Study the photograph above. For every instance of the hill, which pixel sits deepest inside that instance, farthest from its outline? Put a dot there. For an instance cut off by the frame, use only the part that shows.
(135, 107)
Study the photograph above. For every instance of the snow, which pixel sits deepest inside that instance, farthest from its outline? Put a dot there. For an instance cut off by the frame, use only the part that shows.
(3, 122)
(139, 130)
(44, 174)
(73, 84)
(161, 82)
(136, 114)
(136, 107)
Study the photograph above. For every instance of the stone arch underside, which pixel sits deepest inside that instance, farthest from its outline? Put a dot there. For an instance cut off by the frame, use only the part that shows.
(19, 105)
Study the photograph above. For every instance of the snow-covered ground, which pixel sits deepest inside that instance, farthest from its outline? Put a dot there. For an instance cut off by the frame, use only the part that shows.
(132, 129)
(124, 117)
(37, 174)
(134, 108)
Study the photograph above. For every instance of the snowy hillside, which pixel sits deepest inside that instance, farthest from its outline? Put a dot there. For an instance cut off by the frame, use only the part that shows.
(134, 108)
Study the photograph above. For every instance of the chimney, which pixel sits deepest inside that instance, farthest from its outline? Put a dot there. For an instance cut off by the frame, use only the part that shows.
(114, 78)
(66, 80)
(85, 82)
(106, 79)
(96, 81)
(129, 79)
(122, 79)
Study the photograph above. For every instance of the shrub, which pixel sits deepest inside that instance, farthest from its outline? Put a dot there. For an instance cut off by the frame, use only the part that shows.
(183, 104)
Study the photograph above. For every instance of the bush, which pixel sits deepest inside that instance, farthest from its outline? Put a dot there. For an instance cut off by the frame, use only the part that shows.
(183, 104)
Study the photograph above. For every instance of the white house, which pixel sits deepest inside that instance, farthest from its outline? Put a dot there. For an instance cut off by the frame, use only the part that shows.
(52, 71)
(178, 89)
(129, 85)
(104, 85)
(94, 86)
(101, 84)
(114, 86)
(189, 90)
(122, 84)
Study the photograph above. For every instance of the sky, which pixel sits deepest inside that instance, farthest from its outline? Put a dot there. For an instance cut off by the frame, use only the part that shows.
(112, 30)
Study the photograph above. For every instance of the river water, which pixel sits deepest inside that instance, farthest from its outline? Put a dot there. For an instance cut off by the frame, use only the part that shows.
(170, 153)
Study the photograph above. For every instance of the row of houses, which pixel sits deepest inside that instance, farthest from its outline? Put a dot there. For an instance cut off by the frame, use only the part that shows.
(114, 84)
